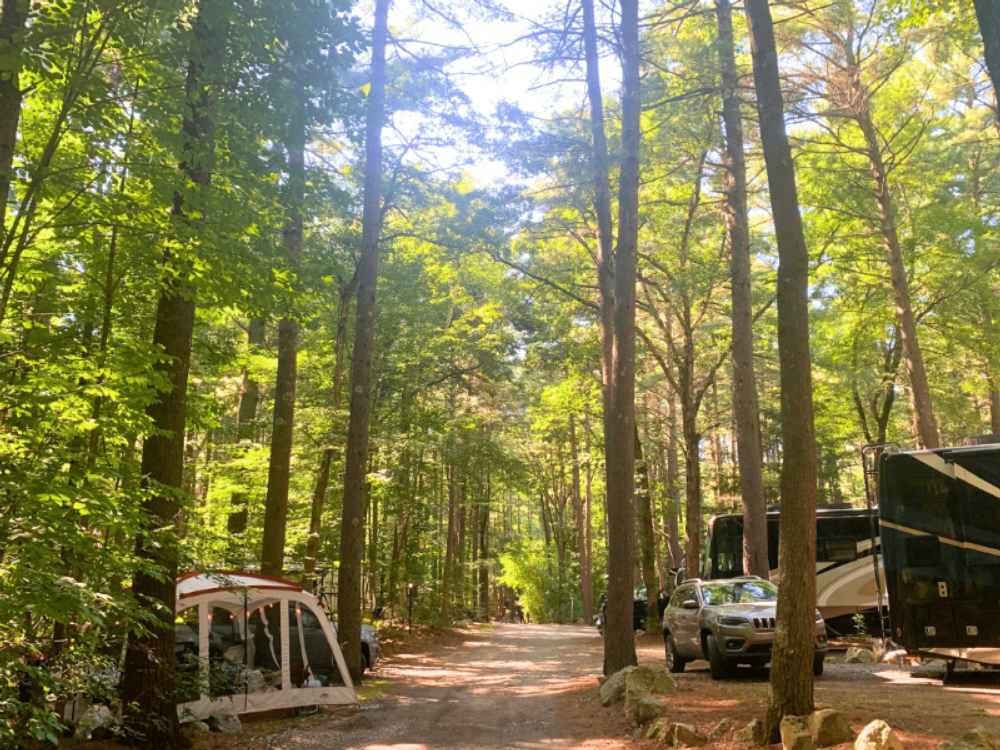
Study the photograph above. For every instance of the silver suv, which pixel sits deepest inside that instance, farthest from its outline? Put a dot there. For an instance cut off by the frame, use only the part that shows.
(728, 622)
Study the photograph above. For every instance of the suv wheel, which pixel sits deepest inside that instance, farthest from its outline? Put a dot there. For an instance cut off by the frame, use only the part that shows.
(675, 662)
(818, 666)
(716, 661)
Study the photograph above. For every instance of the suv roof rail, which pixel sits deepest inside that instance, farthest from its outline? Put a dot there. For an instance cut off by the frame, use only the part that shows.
(691, 580)
(748, 578)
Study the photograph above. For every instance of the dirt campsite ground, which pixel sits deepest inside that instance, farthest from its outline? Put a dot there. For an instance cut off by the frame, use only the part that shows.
(535, 687)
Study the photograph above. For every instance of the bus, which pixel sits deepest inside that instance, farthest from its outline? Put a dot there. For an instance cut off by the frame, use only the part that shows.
(845, 571)
(939, 513)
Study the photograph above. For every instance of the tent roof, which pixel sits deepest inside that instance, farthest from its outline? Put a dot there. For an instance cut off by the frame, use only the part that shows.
(198, 582)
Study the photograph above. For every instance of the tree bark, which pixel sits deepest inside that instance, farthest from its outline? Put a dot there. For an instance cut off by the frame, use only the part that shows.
(316, 516)
(245, 418)
(12, 24)
(647, 538)
(579, 519)
(988, 14)
(149, 707)
(602, 207)
(451, 541)
(619, 641)
(745, 405)
(272, 553)
(791, 665)
(352, 528)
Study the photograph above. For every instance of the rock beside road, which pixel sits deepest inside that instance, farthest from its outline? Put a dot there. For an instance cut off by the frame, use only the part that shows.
(877, 736)
(646, 680)
(818, 729)
(979, 738)
(613, 688)
(857, 655)
(648, 709)
(750, 735)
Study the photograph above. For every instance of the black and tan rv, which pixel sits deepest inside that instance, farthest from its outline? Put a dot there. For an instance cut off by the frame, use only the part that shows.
(939, 518)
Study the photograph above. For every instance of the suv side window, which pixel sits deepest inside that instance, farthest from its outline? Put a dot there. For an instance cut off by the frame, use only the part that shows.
(682, 593)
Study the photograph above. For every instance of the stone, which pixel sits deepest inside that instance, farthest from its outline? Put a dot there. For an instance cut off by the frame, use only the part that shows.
(795, 734)
(197, 727)
(95, 717)
(613, 689)
(877, 736)
(226, 720)
(645, 680)
(720, 729)
(463, 624)
(857, 655)
(979, 738)
(648, 709)
(686, 735)
(829, 727)
(655, 727)
(750, 735)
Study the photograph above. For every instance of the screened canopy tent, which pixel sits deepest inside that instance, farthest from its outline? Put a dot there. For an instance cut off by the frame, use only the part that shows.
(254, 643)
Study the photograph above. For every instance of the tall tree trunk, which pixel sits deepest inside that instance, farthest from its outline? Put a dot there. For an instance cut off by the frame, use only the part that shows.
(791, 666)
(316, 516)
(245, 419)
(148, 700)
(12, 24)
(578, 518)
(927, 430)
(587, 575)
(272, 554)
(988, 14)
(619, 641)
(647, 538)
(450, 543)
(692, 484)
(672, 470)
(745, 406)
(602, 207)
(373, 531)
(484, 570)
(352, 534)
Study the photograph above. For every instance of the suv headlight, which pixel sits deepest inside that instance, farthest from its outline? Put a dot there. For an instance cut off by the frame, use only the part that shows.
(731, 620)
(818, 616)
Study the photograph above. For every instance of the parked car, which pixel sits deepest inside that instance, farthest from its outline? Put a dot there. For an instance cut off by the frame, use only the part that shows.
(638, 608)
(727, 622)
(369, 646)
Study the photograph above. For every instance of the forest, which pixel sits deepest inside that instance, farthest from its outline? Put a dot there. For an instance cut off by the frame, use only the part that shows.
(577, 294)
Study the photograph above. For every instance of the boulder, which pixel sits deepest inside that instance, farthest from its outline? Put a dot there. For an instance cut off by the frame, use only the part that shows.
(857, 655)
(93, 718)
(666, 733)
(686, 735)
(226, 720)
(463, 624)
(979, 738)
(613, 689)
(829, 727)
(796, 734)
(197, 727)
(655, 727)
(751, 735)
(877, 736)
(720, 729)
(647, 709)
(646, 680)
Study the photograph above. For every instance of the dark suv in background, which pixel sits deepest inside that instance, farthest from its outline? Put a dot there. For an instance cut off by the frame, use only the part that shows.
(727, 622)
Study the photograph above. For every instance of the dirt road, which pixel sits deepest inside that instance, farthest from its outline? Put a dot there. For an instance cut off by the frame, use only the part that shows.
(500, 688)
(534, 687)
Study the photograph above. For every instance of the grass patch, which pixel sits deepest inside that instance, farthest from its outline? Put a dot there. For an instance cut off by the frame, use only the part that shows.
(372, 689)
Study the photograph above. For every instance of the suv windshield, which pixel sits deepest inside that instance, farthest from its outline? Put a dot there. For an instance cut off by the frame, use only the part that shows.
(737, 593)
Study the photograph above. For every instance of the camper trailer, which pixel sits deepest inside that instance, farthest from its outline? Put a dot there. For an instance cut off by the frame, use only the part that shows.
(845, 575)
(939, 516)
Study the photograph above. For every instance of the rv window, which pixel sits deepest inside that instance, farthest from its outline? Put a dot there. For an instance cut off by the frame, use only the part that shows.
(923, 552)
(836, 549)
